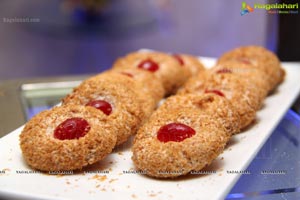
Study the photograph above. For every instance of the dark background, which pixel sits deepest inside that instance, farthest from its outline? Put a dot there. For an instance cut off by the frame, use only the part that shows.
(289, 36)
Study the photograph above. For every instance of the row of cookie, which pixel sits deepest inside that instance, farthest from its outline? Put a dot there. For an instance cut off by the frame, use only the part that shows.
(103, 111)
(190, 129)
(245, 76)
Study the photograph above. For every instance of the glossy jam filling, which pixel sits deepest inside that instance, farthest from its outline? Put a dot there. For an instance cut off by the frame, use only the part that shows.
(179, 59)
(102, 105)
(175, 132)
(149, 65)
(217, 92)
(72, 128)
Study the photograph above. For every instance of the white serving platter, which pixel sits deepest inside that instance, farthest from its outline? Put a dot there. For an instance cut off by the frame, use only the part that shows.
(110, 178)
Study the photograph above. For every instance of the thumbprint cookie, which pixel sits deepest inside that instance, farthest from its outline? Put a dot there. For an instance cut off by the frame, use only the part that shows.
(239, 92)
(67, 138)
(211, 105)
(252, 75)
(176, 142)
(164, 66)
(114, 95)
(260, 58)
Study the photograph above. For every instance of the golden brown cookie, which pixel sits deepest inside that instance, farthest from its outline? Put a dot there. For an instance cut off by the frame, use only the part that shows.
(192, 63)
(165, 67)
(176, 142)
(148, 103)
(260, 58)
(126, 107)
(213, 106)
(149, 82)
(251, 74)
(67, 138)
(239, 92)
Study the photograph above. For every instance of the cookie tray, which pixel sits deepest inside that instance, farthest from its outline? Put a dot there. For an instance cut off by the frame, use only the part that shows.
(115, 176)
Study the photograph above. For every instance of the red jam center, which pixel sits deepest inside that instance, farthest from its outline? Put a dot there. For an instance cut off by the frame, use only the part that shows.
(149, 65)
(179, 59)
(72, 128)
(217, 92)
(127, 74)
(102, 105)
(224, 70)
(175, 132)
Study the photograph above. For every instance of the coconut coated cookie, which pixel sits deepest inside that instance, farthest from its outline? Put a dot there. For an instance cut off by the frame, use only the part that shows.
(164, 66)
(67, 138)
(115, 95)
(260, 58)
(250, 74)
(192, 63)
(211, 105)
(176, 142)
(239, 92)
(149, 82)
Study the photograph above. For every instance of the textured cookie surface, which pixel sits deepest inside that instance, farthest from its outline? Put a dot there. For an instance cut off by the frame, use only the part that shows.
(192, 63)
(165, 67)
(172, 159)
(210, 105)
(259, 58)
(148, 81)
(128, 110)
(43, 151)
(252, 75)
(241, 94)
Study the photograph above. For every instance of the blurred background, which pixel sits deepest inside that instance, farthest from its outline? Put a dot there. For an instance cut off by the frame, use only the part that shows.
(40, 38)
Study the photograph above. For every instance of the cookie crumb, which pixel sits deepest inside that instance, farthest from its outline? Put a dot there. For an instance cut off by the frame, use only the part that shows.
(99, 178)
(112, 180)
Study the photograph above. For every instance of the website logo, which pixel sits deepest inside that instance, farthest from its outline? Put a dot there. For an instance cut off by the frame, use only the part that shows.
(271, 8)
(246, 8)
